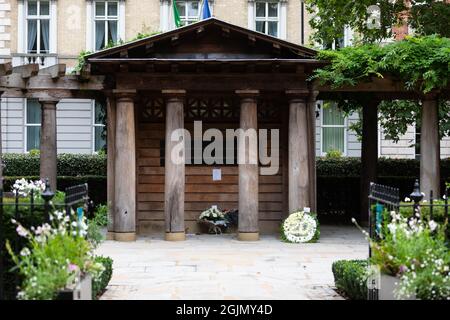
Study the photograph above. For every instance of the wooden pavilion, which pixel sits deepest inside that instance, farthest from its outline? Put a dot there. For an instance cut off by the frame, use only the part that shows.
(227, 77)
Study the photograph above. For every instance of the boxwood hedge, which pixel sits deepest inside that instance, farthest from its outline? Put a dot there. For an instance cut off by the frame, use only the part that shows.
(350, 278)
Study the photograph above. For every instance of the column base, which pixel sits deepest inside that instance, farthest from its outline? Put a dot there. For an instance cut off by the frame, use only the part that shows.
(175, 236)
(248, 236)
(125, 236)
(110, 235)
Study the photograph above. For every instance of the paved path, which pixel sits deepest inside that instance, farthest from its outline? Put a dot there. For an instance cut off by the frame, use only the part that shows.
(220, 267)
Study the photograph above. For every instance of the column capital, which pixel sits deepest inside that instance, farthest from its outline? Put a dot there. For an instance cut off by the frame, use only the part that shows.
(124, 95)
(248, 93)
(174, 94)
(48, 102)
(298, 94)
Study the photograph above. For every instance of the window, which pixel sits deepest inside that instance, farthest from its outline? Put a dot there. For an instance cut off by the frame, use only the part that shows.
(38, 26)
(32, 125)
(99, 127)
(333, 128)
(267, 17)
(189, 11)
(106, 20)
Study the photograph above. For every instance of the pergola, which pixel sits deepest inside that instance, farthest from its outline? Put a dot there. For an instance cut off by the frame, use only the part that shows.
(222, 74)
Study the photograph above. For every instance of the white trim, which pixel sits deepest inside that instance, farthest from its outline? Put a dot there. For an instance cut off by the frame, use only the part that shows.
(53, 27)
(251, 15)
(345, 126)
(21, 27)
(89, 26)
(122, 23)
(282, 23)
(164, 15)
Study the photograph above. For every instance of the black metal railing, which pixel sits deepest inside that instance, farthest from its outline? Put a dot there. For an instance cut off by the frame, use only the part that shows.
(382, 198)
(16, 206)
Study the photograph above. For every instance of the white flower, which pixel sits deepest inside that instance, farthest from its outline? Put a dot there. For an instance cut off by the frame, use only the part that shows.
(21, 231)
(407, 199)
(25, 252)
(433, 225)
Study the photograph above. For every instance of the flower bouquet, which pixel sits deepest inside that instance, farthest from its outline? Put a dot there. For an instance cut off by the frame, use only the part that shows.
(214, 219)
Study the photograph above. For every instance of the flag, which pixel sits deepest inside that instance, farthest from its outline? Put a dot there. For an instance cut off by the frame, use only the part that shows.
(206, 12)
(176, 14)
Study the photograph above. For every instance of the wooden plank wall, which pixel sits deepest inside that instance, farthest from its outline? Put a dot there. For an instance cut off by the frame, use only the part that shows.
(201, 191)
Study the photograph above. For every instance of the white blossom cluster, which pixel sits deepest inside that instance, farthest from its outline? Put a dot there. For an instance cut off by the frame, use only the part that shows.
(23, 188)
(299, 227)
(212, 214)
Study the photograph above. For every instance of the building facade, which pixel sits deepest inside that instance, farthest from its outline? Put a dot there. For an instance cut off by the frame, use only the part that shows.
(56, 31)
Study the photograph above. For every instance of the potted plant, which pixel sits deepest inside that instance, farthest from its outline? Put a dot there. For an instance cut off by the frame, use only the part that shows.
(58, 260)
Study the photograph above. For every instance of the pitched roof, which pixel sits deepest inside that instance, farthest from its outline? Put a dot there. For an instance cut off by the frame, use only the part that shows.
(210, 39)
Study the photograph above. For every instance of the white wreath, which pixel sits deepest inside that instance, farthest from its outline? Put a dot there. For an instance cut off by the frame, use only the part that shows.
(299, 227)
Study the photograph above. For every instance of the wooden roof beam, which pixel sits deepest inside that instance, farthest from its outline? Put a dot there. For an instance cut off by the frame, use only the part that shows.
(174, 40)
(124, 54)
(149, 48)
(226, 32)
(27, 71)
(55, 72)
(251, 40)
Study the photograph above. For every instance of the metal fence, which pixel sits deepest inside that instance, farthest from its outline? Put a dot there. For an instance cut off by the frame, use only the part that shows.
(382, 198)
(75, 197)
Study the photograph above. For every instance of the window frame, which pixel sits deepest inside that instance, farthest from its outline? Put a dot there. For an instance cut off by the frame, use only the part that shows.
(26, 125)
(268, 19)
(105, 18)
(38, 17)
(323, 126)
(94, 126)
(186, 19)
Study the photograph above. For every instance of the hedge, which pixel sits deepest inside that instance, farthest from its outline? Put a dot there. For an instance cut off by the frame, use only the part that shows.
(71, 165)
(99, 284)
(350, 278)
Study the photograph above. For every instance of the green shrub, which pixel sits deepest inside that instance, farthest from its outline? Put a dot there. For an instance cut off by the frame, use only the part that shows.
(73, 165)
(350, 278)
(101, 215)
(100, 283)
(334, 154)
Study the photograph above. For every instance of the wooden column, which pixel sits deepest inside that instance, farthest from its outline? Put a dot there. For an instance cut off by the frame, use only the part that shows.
(174, 170)
(111, 150)
(125, 168)
(300, 185)
(430, 151)
(312, 149)
(48, 147)
(369, 155)
(248, 229)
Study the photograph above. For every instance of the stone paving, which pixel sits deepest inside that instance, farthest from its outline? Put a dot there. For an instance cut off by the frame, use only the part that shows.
(220, 267)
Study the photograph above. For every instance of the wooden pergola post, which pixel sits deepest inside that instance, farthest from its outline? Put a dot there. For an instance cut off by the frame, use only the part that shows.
(111, 146)
(369, 155)
(300, 184)
(430, 150)
(311, 122)
(125, 167)
(174, 168)
(248, 229)
(48, 147)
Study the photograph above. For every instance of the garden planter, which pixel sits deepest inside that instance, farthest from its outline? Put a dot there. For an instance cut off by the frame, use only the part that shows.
(388, 285)
(83, 291)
